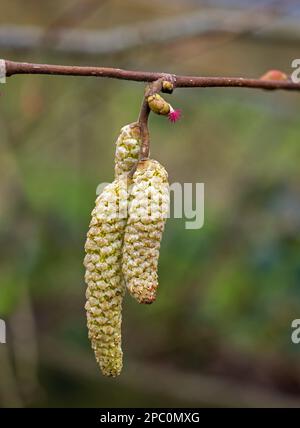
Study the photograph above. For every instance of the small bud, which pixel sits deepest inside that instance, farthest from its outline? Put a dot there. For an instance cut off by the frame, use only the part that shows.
(274, 75)
(167, 87)
(158, 105)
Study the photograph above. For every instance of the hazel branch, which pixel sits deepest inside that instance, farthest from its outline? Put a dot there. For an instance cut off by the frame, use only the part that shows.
(13, 68)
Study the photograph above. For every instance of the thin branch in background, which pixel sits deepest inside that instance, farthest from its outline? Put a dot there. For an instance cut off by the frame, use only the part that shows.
(215, 40)
(75, 14)
(71, 17)
(12, 68)
(262, 25)
(189, 387)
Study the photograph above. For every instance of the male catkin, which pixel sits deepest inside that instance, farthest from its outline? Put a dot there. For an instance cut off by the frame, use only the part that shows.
(103, 276)
(105, 284)
(148, 210)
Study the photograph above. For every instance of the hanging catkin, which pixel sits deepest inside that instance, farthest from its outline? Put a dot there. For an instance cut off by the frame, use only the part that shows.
(104, 279)
(148, 209)
(105, 284)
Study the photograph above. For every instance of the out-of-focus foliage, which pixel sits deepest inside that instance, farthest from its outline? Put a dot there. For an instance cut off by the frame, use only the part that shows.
(228, 292)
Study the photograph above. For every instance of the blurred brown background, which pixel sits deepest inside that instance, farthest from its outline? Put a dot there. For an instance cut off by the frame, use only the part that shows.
(220, 331)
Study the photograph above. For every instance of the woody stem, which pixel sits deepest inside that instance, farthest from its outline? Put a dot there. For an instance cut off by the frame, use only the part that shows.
(143, 121)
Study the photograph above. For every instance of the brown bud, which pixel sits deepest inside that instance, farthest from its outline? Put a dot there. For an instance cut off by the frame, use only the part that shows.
(274, 75)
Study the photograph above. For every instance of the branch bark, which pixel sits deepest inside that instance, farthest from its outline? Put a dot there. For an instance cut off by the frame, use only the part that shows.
(13, 68)
(143, 121)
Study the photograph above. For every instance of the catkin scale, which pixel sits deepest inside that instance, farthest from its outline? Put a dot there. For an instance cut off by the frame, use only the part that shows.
(104, 279)
(147, 213)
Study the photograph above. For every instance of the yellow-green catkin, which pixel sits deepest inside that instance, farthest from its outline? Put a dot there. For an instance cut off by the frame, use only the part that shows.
(103, 276)
(105, 283)
(147, 213)
(127, 149)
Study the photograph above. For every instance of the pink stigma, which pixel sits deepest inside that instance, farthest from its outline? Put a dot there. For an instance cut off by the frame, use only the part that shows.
(174, 115)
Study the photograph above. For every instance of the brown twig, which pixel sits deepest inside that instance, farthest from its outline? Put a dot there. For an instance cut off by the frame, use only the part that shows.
(143, 121)
(151, 89)
(13, 68)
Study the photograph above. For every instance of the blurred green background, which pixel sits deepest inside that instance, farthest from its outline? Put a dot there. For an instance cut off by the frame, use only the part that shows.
(220, 331)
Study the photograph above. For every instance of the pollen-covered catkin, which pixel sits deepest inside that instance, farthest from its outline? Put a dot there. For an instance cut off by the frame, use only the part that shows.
(105, 283)
(127, 148)
(148, 210)
(105, 286)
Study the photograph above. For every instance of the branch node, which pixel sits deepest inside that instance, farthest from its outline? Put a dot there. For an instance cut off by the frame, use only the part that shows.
(151, 89)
